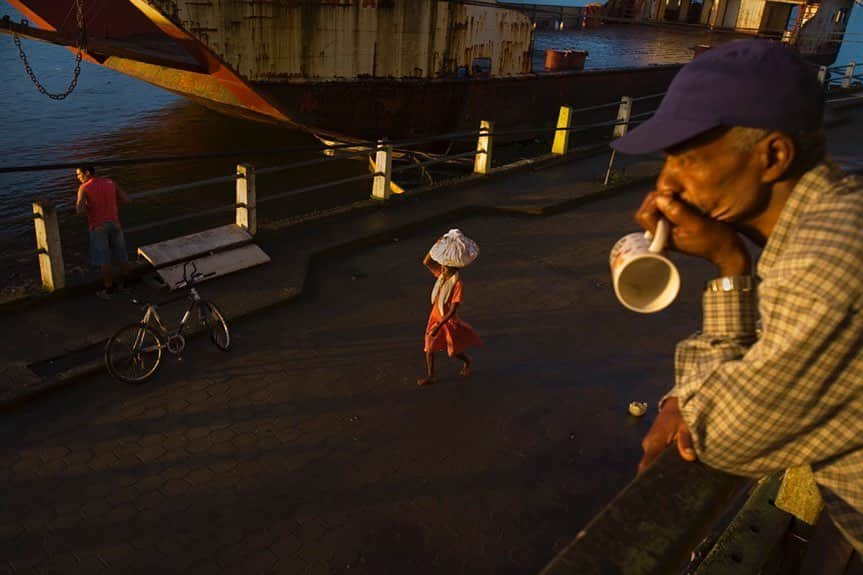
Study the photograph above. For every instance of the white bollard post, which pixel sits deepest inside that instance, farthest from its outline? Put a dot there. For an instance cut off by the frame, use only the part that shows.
(849, 74)
(383, 171)
(561, 134)
(247, 199)
(49, 248)
(822, 74)
(623, 114)
(482, 160)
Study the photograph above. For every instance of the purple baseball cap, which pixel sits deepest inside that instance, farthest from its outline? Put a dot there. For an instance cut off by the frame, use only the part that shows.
(751, 83)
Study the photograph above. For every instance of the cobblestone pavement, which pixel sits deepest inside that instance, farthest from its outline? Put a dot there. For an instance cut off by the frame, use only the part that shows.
(308, 448)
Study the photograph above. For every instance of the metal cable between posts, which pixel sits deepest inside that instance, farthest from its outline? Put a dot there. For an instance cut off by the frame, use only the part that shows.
(402, 169)
(367, 144)
(396, 144)
(232, 178)
(17, 220)
(231, 206)
(315, 161)
(848, 99)
(632, 122)
(596, 107)
(283, 195)
(575, 129)
(174, 220)
(76, 73)
(544, 131)
(189, 186)
(434, 162)
(305, 163)
(315, 187)
(19, 254)
(649, 97)
(641, 115)
(441, 138)
(107, 163)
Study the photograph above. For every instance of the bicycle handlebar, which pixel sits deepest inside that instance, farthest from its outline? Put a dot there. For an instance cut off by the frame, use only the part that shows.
(190, 280)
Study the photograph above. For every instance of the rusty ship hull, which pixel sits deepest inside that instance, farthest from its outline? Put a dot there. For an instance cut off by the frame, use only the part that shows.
(346, 69)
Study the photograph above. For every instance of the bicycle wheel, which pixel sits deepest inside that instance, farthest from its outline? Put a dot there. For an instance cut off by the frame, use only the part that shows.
(134, 353)
(214, 323)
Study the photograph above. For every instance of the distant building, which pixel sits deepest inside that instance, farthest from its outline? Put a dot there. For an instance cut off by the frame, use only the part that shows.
(549, 17)
(816, 27)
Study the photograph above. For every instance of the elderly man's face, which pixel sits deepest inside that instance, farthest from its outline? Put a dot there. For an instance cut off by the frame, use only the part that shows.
(714, 176)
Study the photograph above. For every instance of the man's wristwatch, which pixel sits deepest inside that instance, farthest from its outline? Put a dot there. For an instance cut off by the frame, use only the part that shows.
(730, 283)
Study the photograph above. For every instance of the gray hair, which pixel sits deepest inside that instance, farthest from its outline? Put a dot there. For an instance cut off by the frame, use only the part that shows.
(810, 147)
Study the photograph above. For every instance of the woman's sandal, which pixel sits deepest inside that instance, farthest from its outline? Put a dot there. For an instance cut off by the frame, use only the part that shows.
(425, 381)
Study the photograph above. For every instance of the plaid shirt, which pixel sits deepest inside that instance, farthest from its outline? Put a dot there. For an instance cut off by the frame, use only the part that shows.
(792, 394)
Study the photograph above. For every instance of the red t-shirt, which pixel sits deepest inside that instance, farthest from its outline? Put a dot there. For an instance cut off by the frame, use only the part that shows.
(101, 195)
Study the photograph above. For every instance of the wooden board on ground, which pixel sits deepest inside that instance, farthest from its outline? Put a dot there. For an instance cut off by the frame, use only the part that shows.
(193, 245)
(218, 264)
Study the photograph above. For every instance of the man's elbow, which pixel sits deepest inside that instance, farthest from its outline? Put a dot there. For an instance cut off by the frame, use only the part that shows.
(745, 468)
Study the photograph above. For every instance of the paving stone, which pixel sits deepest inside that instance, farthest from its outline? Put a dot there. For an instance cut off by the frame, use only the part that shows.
(21, 567)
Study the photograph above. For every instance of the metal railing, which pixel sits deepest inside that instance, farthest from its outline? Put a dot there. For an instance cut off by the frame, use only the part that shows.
(245, 205)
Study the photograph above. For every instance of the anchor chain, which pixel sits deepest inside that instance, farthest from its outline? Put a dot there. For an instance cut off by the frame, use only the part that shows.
(82, 41)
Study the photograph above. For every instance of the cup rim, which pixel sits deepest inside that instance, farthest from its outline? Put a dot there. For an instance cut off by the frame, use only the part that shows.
(675, 280)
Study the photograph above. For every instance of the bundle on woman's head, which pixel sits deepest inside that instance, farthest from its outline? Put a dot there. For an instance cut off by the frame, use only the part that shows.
(454, 249)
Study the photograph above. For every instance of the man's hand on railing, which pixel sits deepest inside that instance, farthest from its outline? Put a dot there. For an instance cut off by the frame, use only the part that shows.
(669, 427)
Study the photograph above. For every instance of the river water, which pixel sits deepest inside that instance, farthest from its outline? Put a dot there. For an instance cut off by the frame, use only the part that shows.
(113, 116)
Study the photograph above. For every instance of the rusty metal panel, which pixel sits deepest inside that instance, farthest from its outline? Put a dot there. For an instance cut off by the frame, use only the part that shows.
(349, 39)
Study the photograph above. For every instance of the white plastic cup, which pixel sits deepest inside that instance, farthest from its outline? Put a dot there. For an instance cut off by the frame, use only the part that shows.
(644, 280)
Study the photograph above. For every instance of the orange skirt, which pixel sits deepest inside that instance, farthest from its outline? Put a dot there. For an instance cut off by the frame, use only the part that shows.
(453, 337)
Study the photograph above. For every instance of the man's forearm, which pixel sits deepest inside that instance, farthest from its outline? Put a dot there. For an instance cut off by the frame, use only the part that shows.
(757, 409)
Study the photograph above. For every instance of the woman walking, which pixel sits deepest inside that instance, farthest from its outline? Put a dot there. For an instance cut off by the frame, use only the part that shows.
(445, 331)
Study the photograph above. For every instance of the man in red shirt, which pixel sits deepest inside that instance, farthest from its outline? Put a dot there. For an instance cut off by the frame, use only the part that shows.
(98, 198)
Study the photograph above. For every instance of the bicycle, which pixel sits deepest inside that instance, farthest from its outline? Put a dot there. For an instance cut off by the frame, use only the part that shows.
(134, 353)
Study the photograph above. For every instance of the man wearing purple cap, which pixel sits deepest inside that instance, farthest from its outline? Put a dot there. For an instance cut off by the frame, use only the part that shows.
(740, 129)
